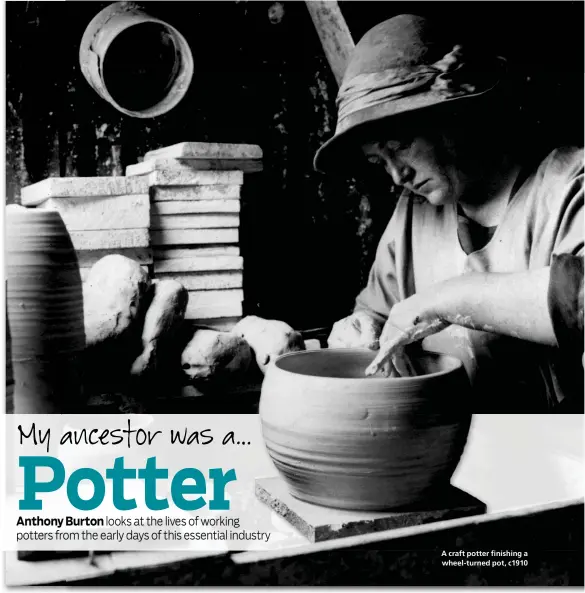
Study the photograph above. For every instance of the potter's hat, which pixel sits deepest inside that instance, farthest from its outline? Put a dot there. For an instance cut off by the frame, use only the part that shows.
(401, 65)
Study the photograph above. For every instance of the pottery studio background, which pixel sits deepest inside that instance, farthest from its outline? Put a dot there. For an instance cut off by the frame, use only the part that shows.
(261, 77)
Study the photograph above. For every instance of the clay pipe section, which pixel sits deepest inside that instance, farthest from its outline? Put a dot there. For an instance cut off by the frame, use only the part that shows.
(139, 64)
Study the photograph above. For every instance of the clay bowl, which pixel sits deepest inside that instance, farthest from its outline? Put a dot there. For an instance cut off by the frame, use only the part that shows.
(343, 440)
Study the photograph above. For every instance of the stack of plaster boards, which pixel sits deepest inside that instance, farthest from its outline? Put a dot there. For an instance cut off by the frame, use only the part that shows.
(195, 218)
(104, 215)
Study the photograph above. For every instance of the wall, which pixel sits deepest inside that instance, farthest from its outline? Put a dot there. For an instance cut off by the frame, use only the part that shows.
(307, 240)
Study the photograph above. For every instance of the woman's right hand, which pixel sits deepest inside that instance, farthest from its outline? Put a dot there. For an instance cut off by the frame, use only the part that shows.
(358, 330)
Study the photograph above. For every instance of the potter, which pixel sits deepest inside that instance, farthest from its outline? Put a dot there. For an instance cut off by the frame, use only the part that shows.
(180, 490)
(483, 256)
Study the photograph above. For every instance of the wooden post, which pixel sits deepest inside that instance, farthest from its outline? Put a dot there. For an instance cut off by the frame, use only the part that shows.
(333, 32)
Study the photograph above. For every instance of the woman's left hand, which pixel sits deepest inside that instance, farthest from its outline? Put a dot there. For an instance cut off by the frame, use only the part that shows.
(409, 321)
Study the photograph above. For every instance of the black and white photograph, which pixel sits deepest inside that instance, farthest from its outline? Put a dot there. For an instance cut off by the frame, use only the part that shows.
(350, 234)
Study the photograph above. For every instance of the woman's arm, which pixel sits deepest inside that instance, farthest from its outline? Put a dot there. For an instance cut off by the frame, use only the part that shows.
(512, 304)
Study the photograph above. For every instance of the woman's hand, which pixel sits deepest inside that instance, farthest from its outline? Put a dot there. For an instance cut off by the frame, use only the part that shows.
(359, 330)
(411, 320)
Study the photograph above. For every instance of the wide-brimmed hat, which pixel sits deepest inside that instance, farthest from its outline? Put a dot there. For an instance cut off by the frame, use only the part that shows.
(404, 64)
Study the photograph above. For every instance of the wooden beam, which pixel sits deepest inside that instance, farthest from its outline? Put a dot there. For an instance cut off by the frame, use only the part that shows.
(334, 34)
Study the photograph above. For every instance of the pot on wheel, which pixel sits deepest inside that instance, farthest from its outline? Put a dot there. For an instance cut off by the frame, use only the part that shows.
(343, 440)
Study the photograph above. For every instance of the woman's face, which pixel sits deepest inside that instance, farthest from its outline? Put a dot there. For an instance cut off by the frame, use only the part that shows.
(431, 165)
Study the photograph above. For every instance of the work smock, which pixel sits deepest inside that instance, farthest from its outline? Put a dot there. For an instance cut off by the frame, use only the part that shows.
(542, 226)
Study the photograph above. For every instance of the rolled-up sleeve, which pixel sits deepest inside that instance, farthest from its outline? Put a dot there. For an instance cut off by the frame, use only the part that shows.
(565, 301)
(565, 292)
